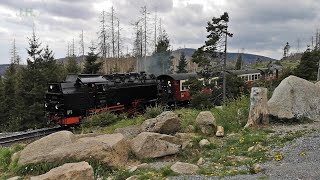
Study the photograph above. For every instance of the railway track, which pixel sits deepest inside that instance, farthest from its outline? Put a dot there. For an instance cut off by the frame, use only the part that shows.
(22, 136)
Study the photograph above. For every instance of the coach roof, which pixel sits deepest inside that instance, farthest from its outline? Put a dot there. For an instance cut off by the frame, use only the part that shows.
(180, 76)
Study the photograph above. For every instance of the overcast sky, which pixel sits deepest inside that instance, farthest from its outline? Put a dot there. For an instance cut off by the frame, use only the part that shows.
(262, 27)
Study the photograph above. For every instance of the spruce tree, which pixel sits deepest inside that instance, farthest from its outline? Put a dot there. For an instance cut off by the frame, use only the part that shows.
(34, 85)
(308, 67)
(72, 66)
(53, 72)
(182, 64)
(91, 65)
(9, 100)
(162, 57)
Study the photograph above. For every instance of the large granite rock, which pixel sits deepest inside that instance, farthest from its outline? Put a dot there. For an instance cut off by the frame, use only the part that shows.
(69, 171)
(130, 131)
(153, 145)
(166, 123)
(111, 149)
(295, 98)
(206, 121)
(39, 149)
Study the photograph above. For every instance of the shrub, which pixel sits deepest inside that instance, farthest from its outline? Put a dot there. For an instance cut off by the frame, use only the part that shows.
(154, 111)
(201, 101)
(101, 120)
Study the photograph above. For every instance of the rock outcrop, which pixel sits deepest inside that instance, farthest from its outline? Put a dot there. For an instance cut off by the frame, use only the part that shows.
(166, 123)
(153, 145)
(295, 98)
(39, 149)
(111, 149)
(130, 131)
(184, 168)
(206, 121)
(69, 171)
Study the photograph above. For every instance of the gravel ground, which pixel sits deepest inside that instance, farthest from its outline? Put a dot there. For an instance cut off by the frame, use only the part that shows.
(301, 159)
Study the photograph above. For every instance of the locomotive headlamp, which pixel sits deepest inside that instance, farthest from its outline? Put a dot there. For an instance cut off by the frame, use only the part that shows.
(56, 106)
(51, 87)
(45, 105)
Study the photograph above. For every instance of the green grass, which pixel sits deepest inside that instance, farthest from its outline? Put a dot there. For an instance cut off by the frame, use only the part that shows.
(228, 116)
(188, 117)
(138, 120)
(6, 164)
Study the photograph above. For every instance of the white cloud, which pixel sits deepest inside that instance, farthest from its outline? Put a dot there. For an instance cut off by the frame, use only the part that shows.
(261, 27)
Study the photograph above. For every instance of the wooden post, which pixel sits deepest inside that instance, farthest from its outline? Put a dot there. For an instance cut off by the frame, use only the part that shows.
(258, 114)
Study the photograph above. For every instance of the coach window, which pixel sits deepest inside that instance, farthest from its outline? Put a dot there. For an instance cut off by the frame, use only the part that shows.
(246, 78)
(183, 86)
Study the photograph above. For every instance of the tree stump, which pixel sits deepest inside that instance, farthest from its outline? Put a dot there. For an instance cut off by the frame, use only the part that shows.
(258, 114)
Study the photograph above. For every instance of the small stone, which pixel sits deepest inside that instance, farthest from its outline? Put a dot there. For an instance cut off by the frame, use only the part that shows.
(15, 156)
(234, 158)
(250, 148)
(14, 178)
(186, 144)
(257, 168)
(143, 166)
(200, 161)
(190, 129)
(204, 142)
(184, 168)
(134, 177)
(220, 131)
(255, 148)
(132, 169)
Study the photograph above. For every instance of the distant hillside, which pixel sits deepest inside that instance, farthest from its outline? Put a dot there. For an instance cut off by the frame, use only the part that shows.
(64, 60)
(247, 58)
(3, 68)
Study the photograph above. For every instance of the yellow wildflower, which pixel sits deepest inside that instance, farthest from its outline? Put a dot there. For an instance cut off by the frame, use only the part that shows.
(302, 154)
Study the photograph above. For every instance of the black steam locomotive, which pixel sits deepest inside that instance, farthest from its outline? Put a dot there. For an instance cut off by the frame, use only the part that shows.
(78, 96)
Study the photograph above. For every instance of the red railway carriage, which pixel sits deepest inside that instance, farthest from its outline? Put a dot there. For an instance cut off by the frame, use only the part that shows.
(173, 89)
